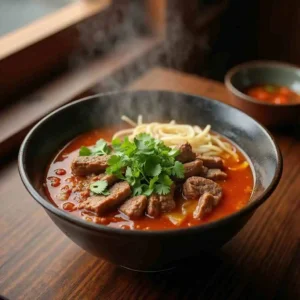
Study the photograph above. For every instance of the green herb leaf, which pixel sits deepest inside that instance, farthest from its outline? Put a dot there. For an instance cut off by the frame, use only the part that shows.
(84, 151)
(162, 189)
(99, 187)
(145, 163)
(174, 152)
(166, 180)
(148, 192)
(178, 170)
(116, 143)
(114, 159)
(128, 172)
(101, 148)
(105, 193)
(152, 169)
(137, 191)
(116, 164)
(152, 182)
(127, 147)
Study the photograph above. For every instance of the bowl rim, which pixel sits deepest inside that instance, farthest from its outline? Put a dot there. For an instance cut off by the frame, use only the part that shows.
(252, 65)
(45, 203)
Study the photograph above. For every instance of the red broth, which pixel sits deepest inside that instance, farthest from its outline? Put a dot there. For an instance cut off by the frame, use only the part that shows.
(59, 180)
(273, 94)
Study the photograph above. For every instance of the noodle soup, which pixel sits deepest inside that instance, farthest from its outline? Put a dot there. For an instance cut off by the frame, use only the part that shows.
(173, 134)
(164, 196)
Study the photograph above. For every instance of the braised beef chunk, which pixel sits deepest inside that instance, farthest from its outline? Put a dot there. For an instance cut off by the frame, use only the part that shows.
(86, 165)
(205, 206)
(186, 153)
(153, 208)
(193, 168)
(204, 172)
(211, 162)
(215, 174)
(91, 203)
(110, 179)
(134, 207)
(101, 204)
(161, 203)
(194, 187)
(167, 202)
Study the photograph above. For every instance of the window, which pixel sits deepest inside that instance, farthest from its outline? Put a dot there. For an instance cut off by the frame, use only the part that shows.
(22, 30)
(11, 19)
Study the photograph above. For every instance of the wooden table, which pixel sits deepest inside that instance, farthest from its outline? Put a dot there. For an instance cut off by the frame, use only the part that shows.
(261, 262)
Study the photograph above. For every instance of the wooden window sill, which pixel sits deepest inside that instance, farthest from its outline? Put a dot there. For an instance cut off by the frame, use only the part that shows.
(49, 25)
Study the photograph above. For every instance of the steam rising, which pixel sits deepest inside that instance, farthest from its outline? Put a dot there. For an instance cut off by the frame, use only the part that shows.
(124, 21)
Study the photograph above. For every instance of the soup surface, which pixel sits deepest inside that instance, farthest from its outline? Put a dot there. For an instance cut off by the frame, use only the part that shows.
(63, 189)
(273, 94)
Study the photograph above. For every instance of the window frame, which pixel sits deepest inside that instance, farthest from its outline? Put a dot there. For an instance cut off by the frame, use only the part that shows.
(50, 24)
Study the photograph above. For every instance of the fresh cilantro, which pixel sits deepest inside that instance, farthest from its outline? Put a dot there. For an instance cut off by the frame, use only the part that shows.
(152, 168)
(147, 164)
(174, 152)
(101, 148)
(162, 189)
(99, 187)
(116, 164)
(84, 151)
(178, 170)
(128, 172)
(165, 179)
(137, 191)
(152, 182)
(116, 143)
(127, 147)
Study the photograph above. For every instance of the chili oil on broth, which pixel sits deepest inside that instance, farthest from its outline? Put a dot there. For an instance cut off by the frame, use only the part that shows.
(237, 189)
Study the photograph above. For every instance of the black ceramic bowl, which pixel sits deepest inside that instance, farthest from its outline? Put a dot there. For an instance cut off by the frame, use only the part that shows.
(148, 250)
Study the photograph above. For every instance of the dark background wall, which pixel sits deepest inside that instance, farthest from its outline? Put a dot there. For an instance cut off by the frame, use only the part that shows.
(237, 40)
(256, 29)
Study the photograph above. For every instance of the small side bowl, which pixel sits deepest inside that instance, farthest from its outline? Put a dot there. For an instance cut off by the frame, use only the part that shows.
(264, 72)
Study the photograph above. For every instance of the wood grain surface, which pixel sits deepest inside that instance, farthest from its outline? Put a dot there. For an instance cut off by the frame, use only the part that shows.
(262, 262)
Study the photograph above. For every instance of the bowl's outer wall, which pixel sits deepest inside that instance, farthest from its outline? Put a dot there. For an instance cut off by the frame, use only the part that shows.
(149, 253)
(65, 124)
(270, 115)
